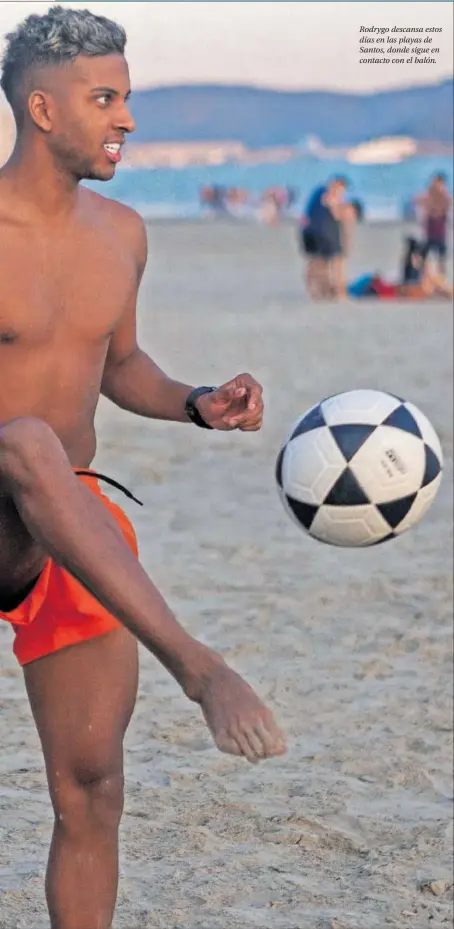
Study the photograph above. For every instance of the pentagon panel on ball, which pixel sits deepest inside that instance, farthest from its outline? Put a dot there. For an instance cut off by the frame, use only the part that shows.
(359, 468)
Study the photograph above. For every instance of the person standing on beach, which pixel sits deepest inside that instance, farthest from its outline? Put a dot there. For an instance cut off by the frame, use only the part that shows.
(71, 584)
(348, 214)
(435, 206)
(321, 241)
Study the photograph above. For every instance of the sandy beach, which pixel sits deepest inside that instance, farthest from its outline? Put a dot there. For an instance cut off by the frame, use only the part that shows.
(351, 649)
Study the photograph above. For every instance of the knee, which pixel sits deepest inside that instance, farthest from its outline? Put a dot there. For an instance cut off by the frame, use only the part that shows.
(82, 802)
(24, 446)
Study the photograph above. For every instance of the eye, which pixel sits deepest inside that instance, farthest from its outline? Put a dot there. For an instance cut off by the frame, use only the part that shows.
(104, 99)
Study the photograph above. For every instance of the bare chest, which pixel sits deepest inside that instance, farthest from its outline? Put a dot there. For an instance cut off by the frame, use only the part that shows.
(437, 205)
(73, 289)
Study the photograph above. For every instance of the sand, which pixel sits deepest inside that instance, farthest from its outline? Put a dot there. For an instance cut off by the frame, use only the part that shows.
(352, 650)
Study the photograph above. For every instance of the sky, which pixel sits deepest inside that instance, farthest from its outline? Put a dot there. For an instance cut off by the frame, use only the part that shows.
(291, 45)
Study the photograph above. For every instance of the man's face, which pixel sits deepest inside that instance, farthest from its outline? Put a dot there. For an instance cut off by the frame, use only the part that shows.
(439, 184)
(89, 117)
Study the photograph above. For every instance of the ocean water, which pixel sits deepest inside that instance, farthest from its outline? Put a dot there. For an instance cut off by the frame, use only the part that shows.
(385, 190)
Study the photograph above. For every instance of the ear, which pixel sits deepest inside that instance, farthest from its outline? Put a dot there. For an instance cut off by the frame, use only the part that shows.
(40, 107)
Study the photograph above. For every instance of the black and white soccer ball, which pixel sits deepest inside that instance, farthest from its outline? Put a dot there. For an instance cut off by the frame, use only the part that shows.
(359, 468)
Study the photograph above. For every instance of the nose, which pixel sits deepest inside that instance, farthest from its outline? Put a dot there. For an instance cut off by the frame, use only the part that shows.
(125, 121)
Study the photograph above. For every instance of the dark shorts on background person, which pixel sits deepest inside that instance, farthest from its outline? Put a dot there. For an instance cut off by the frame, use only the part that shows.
(435, 245)
(308, 242)
(321, 243)
(58, 611)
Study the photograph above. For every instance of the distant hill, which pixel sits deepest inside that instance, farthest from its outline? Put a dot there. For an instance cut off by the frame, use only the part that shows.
(259, 117)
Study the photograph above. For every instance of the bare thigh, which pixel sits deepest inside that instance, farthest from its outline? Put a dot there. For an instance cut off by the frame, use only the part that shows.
(82, 699)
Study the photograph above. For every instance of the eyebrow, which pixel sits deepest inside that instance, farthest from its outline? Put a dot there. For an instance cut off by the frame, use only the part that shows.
(108, 90)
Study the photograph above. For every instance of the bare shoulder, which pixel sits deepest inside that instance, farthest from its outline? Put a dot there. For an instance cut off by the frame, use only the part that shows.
(126, 223)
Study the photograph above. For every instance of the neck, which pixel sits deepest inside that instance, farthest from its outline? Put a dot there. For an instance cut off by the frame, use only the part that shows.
(40, 182)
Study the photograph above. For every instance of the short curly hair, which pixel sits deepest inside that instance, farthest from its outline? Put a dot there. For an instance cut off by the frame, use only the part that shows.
(56, 38)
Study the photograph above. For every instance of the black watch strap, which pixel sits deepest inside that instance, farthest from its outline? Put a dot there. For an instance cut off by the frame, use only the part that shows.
(191, 409)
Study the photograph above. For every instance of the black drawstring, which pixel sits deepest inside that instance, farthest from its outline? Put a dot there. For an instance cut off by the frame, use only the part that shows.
(110, 480)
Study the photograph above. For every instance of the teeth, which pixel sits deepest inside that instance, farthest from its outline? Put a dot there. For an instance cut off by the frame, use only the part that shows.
(113, 147)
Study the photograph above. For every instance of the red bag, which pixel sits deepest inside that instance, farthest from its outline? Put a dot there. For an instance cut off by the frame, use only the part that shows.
(382, 289)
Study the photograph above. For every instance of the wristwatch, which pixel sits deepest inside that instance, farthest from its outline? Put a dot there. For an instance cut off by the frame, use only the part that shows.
(191, 409)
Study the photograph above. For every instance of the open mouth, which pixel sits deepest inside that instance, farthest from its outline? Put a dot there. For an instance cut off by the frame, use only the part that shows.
(113, 152)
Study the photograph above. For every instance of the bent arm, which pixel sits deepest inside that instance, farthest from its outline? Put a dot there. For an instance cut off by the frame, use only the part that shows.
(138, 385)
(131, 379)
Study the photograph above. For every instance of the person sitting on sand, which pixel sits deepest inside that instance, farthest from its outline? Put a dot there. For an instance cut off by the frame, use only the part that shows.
(418, 281)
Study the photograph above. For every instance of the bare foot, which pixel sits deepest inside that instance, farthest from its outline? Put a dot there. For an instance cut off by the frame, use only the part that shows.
(239, 722)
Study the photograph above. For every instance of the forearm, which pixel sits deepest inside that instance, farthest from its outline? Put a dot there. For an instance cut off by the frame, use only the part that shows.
(138, 385)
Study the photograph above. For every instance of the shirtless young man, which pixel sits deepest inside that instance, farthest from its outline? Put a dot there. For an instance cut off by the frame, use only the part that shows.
(70, 267)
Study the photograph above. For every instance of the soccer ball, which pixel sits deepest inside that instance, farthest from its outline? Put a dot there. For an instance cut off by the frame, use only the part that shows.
(359, 468)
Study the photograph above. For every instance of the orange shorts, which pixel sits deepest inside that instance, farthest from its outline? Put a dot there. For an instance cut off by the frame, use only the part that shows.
(58, 611)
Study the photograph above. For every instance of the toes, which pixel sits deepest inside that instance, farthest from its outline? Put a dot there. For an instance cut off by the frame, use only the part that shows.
(247, 749)
(256, 744)
(228, 745)
(271, 739)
